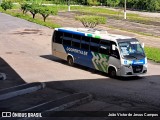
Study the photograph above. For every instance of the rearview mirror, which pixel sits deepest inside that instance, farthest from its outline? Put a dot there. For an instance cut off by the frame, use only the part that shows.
(113, 47)
(142, 45)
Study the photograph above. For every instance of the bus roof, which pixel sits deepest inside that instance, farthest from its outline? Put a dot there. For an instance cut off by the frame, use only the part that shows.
(95, 33)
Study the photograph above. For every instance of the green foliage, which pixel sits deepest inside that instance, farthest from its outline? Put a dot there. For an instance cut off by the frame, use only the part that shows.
(153, 5)
(45, 12)
(153, 53)
(18, 1)
(93, 2)
(149, 5)
(1, 8)
(6, 5)
(25, 7)
(33, 9)
(39, 2)
(63, 2)
(90, 20)
(112, 3)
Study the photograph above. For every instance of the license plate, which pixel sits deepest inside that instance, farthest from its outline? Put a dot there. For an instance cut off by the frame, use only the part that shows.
(138, 69)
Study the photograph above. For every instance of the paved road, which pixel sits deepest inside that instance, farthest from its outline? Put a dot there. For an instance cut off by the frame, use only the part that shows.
(26, 47)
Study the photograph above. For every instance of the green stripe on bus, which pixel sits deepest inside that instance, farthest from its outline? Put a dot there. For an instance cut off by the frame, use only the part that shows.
(89, 35)
(100, 61)
(97, 36)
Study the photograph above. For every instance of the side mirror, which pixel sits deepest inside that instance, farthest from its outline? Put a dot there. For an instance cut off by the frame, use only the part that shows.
(113, 47)
(142, 45)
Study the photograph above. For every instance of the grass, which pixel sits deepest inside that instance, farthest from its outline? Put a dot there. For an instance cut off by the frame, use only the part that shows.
(29, 18)
(109, 13)
(87, 9)
(114, 14)
(153, 54)
(104, 11)
(36, 20)
(134, 31)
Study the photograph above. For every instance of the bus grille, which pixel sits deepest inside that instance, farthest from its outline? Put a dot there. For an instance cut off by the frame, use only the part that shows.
(137, 68)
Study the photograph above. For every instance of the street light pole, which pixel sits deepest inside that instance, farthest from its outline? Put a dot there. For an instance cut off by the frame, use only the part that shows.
(125, 13)
(68, 5)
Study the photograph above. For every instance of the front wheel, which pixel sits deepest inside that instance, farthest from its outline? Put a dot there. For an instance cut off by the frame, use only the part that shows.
(112, 72)
(70, 61)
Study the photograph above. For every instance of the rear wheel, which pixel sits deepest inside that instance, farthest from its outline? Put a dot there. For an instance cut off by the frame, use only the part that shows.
(112, 72)
(70, 61)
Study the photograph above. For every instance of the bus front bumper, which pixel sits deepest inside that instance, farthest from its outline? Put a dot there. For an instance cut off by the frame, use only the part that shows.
(133, 70)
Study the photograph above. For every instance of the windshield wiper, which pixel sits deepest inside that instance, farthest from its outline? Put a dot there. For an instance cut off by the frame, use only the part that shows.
(132, 56)
(142, 55)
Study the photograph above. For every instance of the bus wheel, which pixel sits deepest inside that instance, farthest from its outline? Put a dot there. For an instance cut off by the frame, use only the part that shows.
(70, 61)
(112, 72)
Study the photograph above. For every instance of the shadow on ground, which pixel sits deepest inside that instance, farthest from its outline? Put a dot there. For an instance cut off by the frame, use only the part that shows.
(131, 94)
(55, 59)
(138, 89)
(13, 78)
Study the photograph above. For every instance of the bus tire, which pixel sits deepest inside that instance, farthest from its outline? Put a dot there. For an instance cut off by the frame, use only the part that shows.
(112, 72)
(70, 61)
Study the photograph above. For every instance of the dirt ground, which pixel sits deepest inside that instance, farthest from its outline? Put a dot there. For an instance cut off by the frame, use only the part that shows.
(66, 19)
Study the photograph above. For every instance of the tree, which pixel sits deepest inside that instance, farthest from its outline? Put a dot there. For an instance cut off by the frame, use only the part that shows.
(6, 5)
(90, 20)
(25, 7)
(45, 12)
(112, 3)
(93, 2)
(33, 9)
(153, 5)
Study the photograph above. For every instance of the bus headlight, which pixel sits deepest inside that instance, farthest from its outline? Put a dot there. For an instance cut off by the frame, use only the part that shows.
(126, 62)
(145, 65)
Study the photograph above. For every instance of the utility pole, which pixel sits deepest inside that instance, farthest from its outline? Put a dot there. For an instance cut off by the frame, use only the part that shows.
(125, 13)
(68, 5)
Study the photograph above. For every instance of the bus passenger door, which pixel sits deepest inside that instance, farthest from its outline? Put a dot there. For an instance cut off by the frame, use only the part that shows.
(57, 46)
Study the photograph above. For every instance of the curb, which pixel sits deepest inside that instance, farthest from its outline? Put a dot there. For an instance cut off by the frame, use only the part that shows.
(20, 90)
(51, 107)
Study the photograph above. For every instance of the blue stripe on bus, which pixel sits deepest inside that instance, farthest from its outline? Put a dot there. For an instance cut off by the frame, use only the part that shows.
(80, 57)
(72, 32)
(138, 62)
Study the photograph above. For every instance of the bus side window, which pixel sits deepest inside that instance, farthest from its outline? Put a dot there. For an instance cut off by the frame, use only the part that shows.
(94, 44)
(85, 42)
(58, 37)
(104, 47)
(67, 39)
(76, 40)
(114, 53)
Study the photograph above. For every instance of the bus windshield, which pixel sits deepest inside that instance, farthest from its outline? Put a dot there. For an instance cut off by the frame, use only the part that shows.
(131, 49)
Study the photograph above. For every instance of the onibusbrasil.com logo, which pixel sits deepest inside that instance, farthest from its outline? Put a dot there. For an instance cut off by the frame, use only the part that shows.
(23, 114)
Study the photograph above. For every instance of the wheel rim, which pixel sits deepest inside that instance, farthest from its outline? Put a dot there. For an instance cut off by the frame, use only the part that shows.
(112, 73)
(70, 61)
